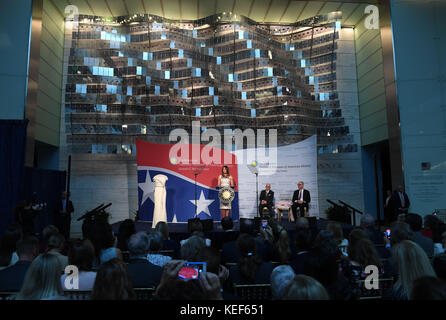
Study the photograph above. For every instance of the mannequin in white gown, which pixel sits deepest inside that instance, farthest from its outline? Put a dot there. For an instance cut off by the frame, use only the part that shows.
(159, 212)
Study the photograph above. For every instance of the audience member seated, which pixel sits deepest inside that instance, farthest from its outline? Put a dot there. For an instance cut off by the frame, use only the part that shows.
(250, 269)
(196, 229)
(168, 244)
(42, 280)
(433, 227)
(192, 250)
(8, 242)
(281, 276)
(155, 245)
(207, 287)
(412, 263)
(113, 282)
(336, 228)
(11, 278)
(227, 235)
(212, 259)
(55, 246)
(367, 224)
(322, 264)
(282, 251)
(126, 229)
(143, 273)
(362, 253)
(415, 222)
(440, 248)
(428, 288)
(400, 231)
(47, 232)
(439, 264)
(305, 288)
(101, 235)
(81, 255)
(303, 246)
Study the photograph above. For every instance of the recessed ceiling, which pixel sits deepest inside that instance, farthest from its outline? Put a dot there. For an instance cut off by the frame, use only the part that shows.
(266, 11)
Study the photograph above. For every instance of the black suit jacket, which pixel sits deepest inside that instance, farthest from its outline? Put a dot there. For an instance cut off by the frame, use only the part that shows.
(306, 197)
(69, 207)
(11, 278)
(269, 199)
(143, 273)
(397, 201)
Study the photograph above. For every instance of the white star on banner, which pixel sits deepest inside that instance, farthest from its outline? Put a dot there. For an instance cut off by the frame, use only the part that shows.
(148, 189)
(202, 204)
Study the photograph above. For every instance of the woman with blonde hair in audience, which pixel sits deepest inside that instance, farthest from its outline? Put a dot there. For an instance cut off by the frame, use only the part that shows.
(42, 280)
(303, 287)
(412, 263)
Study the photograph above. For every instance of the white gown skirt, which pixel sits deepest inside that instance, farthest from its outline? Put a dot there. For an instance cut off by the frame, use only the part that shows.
(159, 213)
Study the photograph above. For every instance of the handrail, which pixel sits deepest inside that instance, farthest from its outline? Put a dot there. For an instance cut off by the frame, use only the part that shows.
(350, 207)
(354, 210)
(332, 203)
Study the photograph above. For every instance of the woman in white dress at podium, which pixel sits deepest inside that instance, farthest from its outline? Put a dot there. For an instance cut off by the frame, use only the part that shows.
(159, 212)
(225, 180)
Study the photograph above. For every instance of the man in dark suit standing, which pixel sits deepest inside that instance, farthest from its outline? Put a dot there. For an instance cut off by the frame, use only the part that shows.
(266, 200)
(401, 201)
(63, 215)
(301, 200)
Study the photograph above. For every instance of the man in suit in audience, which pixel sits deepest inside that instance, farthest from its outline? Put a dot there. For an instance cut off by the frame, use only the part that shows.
(367, 224)
(227, 235)
(416, 222)
(301, 200)
(266, 200)
(143, 273)
(11, 278)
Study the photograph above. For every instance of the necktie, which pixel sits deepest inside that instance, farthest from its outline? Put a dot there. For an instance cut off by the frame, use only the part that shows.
(300, 194)
(402, 199)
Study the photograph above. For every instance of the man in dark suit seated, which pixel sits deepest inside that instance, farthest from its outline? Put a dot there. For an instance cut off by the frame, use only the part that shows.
(266, 200)
(228, 234)
(11, 278)
(301, 200)
(143, 273)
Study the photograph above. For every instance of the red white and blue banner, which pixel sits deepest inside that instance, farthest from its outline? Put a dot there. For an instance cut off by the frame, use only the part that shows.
(153, 159)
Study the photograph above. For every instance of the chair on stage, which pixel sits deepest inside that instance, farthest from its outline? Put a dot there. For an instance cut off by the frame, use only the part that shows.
(284, 205)
(253, 291)
(144, 293)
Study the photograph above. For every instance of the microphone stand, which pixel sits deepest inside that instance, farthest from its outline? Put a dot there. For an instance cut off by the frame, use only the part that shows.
(196, 208)
(257, 193)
